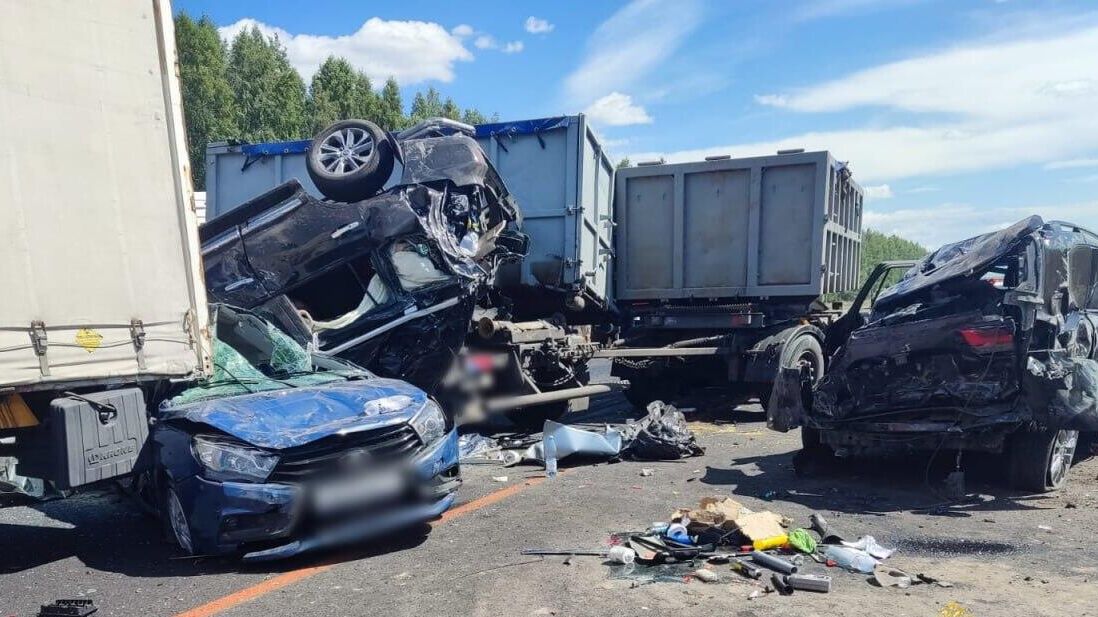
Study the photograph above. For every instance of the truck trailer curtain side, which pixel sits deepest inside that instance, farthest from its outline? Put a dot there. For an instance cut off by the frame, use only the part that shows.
(99, 262)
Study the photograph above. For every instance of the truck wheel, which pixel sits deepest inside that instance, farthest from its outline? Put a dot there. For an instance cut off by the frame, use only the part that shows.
(805, 350)
(350, 160)
(1040, 460)
(532, 419)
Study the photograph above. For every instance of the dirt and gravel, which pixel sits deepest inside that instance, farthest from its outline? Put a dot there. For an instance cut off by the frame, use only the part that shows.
(1004, 553)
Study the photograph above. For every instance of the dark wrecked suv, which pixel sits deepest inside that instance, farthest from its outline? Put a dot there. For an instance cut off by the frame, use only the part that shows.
(984, 345)
(283, 451)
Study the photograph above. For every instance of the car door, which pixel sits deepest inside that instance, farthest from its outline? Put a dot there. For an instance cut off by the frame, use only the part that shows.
(302, 237)
(1083, 295)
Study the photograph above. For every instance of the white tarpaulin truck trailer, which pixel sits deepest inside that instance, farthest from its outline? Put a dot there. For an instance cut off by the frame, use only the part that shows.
(100, 273)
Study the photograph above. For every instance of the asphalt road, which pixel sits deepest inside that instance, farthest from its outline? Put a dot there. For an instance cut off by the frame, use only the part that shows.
(1004, 553)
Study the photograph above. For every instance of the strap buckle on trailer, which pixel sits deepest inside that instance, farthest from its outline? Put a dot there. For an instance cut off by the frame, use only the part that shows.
(40, 341)
(137, 333)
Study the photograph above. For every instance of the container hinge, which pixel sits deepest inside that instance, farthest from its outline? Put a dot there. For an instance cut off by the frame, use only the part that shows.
(573, 209)
(40, 342)
(606, 220)
(137, 333)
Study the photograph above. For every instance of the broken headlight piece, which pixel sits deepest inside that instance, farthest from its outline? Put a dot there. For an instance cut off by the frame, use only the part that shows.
(229, 460)
(430, 423)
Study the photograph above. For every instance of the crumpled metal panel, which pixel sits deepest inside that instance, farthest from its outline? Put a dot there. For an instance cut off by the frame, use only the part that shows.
(957, 260)
(1063, 391)
(296, 416)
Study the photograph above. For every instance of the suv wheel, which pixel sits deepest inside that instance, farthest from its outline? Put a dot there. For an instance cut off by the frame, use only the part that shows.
(350, 160)
(1040, 460)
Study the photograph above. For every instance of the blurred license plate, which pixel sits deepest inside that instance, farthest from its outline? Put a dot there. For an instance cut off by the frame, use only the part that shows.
(357, 491)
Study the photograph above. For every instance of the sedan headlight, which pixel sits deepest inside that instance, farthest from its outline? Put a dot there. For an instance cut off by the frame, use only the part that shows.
(430, 423)
(227, 460)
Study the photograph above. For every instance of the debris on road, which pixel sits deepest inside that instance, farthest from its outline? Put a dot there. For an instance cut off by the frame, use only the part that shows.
(81, 607)
(662, 435)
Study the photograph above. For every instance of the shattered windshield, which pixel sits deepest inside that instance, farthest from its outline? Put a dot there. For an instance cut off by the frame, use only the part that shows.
(252, 355)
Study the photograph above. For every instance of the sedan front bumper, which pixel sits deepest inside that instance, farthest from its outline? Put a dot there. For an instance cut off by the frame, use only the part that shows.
(226, 516)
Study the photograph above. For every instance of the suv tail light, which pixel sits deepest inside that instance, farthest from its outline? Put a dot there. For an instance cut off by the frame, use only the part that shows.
(988, 339)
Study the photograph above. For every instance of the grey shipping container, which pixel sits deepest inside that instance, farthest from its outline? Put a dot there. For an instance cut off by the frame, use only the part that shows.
(769, 226)
(563, 181)
(237, 173)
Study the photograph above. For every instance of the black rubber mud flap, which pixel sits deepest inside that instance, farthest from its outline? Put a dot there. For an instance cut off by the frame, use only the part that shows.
(786, 409)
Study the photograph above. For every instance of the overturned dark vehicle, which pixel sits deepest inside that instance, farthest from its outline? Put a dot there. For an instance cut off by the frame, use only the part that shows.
(984, 345)
(389, 279)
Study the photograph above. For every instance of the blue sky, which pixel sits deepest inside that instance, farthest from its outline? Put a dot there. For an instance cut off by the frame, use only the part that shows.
(958, 116)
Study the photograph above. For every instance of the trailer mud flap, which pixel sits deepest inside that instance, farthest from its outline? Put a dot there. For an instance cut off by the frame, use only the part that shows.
(1063, 391)
(790, 397)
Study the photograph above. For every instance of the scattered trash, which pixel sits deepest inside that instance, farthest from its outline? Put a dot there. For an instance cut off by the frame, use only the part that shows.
(954, 609)
(550, 455)
(706, 576)
(802, 541)
(621, 554)
(850, 558)
(808, 582)
(745, 569)
(474, 447)
(778, 581)
(1044, 528)
(81, 607)
(869, 545)
(887, 576)
(930, 580)
(646, 471)
(765, 544)
(499, 478)
(662, 435)
(820, 526)
(777, 564)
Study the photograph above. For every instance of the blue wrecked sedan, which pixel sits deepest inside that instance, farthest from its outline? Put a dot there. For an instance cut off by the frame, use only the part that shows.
(283, 451)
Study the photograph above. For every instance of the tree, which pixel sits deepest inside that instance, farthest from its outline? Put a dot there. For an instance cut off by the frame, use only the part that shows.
(473, 116)
(625, 162)
(208, 105)
(451, 110)
(337, 92)
(426, 105)
(269, 93)
(391, 107)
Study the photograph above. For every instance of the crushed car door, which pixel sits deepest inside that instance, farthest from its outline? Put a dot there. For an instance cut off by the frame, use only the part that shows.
(855, 317)
(300, 237)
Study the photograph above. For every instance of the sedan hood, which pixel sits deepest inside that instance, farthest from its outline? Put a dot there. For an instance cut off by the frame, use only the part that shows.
(295, 416)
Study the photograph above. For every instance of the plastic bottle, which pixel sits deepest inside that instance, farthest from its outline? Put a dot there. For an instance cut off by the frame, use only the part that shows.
(621, 554)
(550, 451)
(850, 558)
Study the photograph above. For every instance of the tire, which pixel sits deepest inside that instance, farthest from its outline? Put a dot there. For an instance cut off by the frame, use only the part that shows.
(805, 349)
(647, 386)
(1039, 461)
(350, 160)
(175, 521)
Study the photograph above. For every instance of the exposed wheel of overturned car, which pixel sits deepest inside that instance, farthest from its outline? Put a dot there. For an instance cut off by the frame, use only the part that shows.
(806, 353)
(1040, 460)
(350, 160)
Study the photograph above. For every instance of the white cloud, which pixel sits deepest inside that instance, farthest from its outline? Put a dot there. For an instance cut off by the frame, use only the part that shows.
(629, 45)
(922, 189)
(880, 191)
(462, 30)
(1072, 164)
(968, 108)
(818, 9)
(410, 51)
(617, 109)
(487, 41)
(537, 25)
(949, 222)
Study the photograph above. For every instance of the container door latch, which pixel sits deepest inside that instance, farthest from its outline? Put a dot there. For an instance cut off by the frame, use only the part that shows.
(137, 333)
(40, 341)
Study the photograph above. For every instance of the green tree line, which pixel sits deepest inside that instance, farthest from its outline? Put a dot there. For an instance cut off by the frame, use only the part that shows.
(248, 91)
